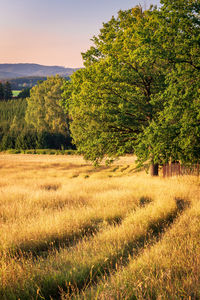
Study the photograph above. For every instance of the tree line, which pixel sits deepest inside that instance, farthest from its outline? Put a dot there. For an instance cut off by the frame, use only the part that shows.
(35, 122)
(140, 91)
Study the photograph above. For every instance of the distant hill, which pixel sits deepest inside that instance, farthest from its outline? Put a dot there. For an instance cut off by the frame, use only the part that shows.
(11, 71)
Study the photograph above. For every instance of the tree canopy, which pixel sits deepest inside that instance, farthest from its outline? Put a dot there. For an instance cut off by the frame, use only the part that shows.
(139, 90)
(176, 135)
(44, 111)
(5, 91)
(24, 93)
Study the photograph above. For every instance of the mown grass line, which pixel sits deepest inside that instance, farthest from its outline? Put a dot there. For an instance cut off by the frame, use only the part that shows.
(64, 229)
(55, 242)
(167, 270)
(91, 259)
(88, 275)
(130, 252)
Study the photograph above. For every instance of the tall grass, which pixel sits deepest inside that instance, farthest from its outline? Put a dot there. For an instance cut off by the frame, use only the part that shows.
(69, 230)
(168, 270)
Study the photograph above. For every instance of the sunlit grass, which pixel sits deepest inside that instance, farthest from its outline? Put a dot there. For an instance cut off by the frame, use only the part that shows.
(66, 225)
(167, 270)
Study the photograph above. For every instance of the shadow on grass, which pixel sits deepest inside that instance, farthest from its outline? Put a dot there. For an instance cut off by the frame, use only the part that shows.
(144, 201)
(55, 242)
(121, 258)
(73, 283)
(50, 187)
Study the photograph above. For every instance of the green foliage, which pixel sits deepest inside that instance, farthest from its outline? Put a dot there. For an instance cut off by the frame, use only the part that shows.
(110, 102)
(139, 91)
(1, 92)
(24, 93)
(176, 134)
(15, 133)
(12, 124)
(178, 131)
(25, 82)
(41, 151)
(8, 142)
(7, 91)
(12, 114)
(44, 112)
(13, 151)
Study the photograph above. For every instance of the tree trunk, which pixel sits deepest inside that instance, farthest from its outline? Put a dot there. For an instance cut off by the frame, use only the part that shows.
(154, 169)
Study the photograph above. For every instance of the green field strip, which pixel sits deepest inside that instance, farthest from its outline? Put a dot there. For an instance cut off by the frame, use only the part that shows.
(15, 93)
(83, 264)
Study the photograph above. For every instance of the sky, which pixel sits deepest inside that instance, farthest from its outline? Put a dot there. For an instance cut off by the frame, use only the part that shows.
(54, 32)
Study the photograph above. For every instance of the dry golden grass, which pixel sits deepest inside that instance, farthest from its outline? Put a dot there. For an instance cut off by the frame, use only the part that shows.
(64, 224)
(168, 270)
(43, 200)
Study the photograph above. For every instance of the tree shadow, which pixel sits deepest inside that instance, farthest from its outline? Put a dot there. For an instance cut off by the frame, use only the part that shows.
(131, 249)
(55, 242)
(90, 276)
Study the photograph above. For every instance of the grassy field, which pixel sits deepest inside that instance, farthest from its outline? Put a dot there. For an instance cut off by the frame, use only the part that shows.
(72, 231)
(15, 93)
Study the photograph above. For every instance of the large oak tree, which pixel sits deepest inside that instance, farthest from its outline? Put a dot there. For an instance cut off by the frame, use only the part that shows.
(176, 134)
(111, 100)
(139, 90)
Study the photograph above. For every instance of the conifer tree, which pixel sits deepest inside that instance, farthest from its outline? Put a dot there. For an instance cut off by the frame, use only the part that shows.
(1, 92)
(7, 91)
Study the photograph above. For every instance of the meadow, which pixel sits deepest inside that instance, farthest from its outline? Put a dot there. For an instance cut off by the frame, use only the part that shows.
(15, 93)
(72, 231)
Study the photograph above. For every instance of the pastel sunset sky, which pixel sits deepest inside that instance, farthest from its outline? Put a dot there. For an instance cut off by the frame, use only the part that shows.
(54, 32)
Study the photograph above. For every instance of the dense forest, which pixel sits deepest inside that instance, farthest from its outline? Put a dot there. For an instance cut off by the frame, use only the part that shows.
(25, 82)
(35, 122)
(5, 91)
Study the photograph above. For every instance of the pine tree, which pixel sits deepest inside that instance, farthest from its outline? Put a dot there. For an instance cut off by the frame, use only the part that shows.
(7, 91)
(1, 92)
